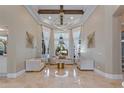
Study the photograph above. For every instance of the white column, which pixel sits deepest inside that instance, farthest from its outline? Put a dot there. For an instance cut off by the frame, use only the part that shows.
(116, 45)
(71, 45)
(66, 39)
(83, 41)
(39, 42)
(51, 44)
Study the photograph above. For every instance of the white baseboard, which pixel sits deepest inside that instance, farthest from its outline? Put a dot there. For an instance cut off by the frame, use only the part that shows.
(107, 75)
(14, 75)
(3, 74)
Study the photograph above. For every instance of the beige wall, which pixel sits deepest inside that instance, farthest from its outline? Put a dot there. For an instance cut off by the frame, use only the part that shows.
(19, 21)
(107, 45)
(95, 23)
(3, 33)
(39, 42)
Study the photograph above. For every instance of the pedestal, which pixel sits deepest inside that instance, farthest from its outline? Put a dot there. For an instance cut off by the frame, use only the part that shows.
(60, 65)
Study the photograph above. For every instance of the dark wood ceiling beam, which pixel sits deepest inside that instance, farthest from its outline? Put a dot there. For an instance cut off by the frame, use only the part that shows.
(59, 11)
(73, 11)
(48, 11)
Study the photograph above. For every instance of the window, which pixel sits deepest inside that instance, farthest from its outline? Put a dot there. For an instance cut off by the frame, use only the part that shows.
(65, 36)
(3, 45)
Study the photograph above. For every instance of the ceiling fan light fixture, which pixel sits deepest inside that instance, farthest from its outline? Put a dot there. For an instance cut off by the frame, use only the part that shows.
(71, 17)
(61, 13)
(49, 17)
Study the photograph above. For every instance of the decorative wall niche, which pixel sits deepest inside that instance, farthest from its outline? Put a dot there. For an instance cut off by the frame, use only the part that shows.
(29, 40)
(91, 40)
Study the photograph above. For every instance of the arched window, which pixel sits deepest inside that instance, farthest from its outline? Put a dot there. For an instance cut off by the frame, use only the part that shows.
(3, 45)
(1, 48)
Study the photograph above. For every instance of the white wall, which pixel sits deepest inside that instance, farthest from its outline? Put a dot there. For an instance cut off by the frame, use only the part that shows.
(3, 65)
(107, 49)
(19, 22)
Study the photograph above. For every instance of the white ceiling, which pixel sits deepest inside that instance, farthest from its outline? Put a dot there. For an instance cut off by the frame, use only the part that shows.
(54, 21)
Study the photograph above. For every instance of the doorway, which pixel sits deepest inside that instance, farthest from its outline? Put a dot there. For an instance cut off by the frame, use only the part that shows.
(3, 50)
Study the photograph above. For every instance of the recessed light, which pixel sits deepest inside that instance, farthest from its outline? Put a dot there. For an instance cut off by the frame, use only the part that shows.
(49, 17)
(1, 29)
(71, 17)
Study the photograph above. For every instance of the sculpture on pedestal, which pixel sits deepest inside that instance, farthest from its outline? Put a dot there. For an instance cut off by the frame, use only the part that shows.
(61, 51)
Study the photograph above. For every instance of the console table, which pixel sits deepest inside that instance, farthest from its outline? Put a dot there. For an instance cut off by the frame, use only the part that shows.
(34, 64)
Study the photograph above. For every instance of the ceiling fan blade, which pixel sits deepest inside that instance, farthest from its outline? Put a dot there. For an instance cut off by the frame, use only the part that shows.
(58, 11)
(48, 11)
(73, 11)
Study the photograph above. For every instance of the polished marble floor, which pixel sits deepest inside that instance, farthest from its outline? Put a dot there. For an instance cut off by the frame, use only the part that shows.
(52, 77)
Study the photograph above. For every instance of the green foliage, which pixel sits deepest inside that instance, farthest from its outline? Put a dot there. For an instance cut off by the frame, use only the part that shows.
(60, 49)
(1, 46)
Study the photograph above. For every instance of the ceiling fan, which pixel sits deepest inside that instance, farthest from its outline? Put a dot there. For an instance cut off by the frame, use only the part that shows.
(61, 12)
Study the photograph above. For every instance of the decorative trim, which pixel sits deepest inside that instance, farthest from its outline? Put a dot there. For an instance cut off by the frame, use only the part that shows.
(32, 13)
(107, 75)
(14, 75)
(35, 16)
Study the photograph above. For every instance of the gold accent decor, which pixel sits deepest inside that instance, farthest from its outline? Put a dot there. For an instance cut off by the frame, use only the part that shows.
(60, 65)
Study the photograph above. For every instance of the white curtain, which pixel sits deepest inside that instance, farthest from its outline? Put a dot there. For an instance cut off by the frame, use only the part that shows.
(76, 38)
(56, 38)
(46, 33)
(71, 44)
(51, 44)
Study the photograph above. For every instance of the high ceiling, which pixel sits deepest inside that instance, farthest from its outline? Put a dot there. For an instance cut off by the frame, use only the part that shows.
(53, 20)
